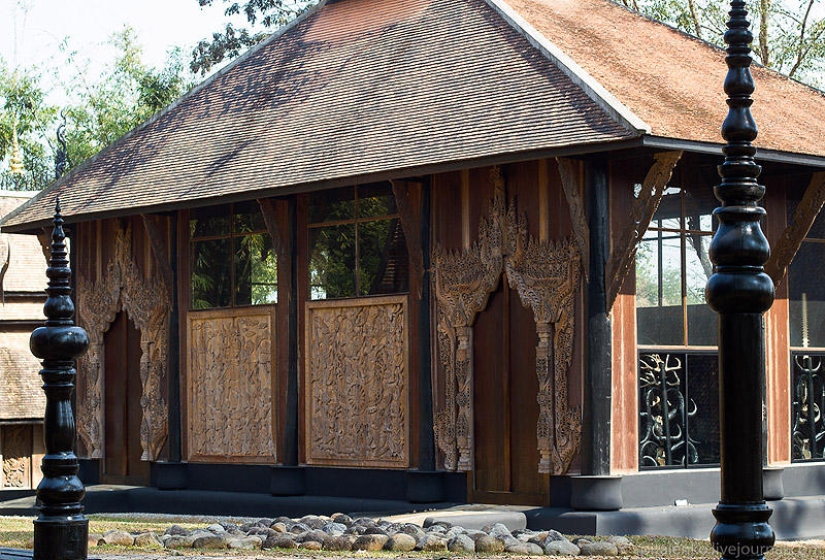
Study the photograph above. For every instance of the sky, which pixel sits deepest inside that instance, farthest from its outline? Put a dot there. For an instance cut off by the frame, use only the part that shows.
(32, 30)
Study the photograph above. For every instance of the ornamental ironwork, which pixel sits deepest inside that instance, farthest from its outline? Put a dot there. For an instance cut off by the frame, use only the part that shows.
(664, 412)
(808, 432)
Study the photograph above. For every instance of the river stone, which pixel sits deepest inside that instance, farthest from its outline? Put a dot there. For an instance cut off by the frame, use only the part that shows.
(176, 542)
(561, 548)
(342, 518)
(431, 543)
(375, 531)
(279, 527)
(498, 531)
(280, 541)
(333, 528)
(524, 549)
(623, 544)
(311, 545)
(176, 530)
(316, 535)
(370, 543)
(339, 543)
(216, 528)
(313, 521)
(486, 544)
(598, 548)
(212, 542)
(148, 540)
(117, 538)
(245, 543)
(462, 544)
(401, 542)
(298, 528)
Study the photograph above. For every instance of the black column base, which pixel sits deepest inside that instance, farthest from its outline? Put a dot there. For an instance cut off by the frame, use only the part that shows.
(772, 486)
(742, 531)
(287, 481)
(596, 493)
(169, 475)
(59, 538)
(425, 487)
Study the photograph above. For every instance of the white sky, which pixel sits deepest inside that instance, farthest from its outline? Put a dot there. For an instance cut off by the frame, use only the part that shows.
(32, 30)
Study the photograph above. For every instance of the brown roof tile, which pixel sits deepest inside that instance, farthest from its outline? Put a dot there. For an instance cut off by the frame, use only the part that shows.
(357, 87)
(673, 82)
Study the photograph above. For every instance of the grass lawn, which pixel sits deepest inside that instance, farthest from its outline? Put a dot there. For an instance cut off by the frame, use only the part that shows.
(17, 532)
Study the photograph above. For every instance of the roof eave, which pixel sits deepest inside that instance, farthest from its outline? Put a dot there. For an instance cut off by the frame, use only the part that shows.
(578, 75)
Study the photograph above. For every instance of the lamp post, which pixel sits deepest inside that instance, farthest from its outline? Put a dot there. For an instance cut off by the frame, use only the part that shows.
(740, 292)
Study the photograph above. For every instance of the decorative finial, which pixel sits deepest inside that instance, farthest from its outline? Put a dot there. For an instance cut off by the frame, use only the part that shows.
(61, 156)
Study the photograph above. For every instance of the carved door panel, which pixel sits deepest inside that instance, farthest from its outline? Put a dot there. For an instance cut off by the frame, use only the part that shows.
(504, 402)
(123, 413)
(16, 452)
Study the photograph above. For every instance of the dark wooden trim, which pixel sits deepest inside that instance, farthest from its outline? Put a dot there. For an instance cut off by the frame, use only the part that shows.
(426, 437)
(785, 249)
(598, 373)
(292, 430)
(624, 250)
(174, 349)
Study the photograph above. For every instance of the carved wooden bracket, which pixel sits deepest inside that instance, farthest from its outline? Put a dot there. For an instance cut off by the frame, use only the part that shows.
(409, 221)
(575, 201)
(624, 251)
(271, 221)
(784, 250)
(148, 304)
(546, 276)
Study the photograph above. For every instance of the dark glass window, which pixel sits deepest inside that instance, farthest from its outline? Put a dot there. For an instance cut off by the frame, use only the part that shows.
(356, 243)
(233, 262)
(672, 268)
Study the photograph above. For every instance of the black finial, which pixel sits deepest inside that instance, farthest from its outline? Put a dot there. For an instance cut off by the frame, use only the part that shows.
(740, 291)
(61, 157)
(60, 531)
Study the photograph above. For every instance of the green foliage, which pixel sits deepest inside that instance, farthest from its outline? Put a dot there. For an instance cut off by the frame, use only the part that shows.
(789, 35)
(231, 41)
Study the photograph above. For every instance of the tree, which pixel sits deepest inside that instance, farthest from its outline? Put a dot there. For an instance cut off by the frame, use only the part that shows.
(789, 34)
(231, 41)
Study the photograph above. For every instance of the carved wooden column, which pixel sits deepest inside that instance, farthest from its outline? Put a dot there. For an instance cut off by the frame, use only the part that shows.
(741, 292)
(60, 531)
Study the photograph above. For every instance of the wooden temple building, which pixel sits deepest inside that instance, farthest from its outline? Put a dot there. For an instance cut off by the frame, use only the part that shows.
(441, 250)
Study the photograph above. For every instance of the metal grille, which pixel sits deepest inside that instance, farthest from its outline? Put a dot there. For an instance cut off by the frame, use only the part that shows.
(808, 431)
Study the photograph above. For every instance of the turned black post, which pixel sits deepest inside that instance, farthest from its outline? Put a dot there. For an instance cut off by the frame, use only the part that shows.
(740, 292)
(60, 531)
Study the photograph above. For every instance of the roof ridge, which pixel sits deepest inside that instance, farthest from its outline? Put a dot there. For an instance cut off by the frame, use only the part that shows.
(578, 75)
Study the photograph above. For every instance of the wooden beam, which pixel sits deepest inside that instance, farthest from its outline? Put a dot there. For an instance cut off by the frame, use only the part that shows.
(624, 251)
(786, 247)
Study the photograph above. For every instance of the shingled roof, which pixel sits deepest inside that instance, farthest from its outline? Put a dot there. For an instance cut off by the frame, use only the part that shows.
(365, 88)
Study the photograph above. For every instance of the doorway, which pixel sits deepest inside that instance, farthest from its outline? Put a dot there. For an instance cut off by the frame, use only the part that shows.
(505, 409)
(123, 413)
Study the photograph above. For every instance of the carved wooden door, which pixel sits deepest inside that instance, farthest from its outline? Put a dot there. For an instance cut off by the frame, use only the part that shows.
(123, 413)
(504, 404)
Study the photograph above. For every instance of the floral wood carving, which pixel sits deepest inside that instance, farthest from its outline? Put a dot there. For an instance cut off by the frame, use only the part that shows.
(230, 386)
(16, 454)
(546, 276)
(357, 382)
(148, 304)
(581, 231)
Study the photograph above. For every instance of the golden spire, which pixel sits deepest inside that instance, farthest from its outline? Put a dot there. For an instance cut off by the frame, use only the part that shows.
(16, 160)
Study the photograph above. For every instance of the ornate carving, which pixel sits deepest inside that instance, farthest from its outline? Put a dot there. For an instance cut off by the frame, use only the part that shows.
(357, 382)
(624, 251)
(403, 196)
(546, 276)
(230, 385)
(148, 304)
(16, 453)
(271, 221)
(785, 249)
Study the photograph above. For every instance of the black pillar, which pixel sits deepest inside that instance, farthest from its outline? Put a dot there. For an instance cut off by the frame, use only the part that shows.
(291, 431)
(740, 292)
(174, 408)
(426, 441)
(597, 390)
(60, 531)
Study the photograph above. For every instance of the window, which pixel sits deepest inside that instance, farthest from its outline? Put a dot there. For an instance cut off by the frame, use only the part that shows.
(807, 334)
(676, 334)
(356, 243)
(232, 259)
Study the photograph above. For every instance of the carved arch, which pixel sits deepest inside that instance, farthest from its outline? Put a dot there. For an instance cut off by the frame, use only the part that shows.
(148, 303)
(546, 276)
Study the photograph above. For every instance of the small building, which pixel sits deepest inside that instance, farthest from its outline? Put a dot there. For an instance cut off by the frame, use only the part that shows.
(440, 250)
(22, 295)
